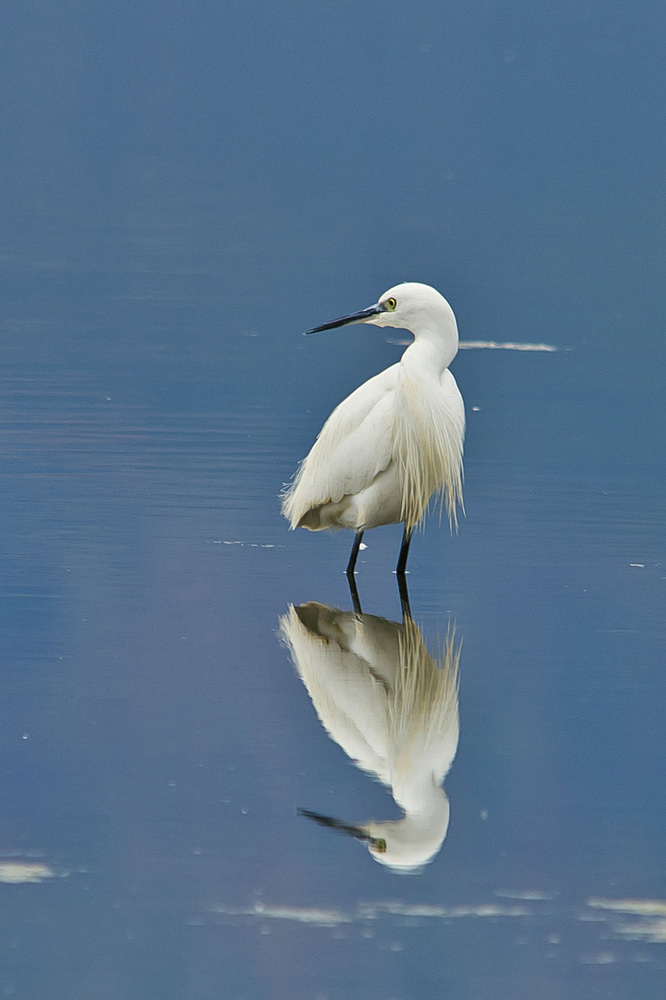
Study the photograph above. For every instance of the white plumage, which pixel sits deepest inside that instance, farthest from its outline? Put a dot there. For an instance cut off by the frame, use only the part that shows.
(397, 439)
(393, 709)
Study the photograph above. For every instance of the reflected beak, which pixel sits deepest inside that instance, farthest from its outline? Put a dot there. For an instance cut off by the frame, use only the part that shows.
(333, 824)
(357, 317)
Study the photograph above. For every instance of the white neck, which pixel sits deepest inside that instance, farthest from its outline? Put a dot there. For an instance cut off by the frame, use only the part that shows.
(434, 348)
(416, 838)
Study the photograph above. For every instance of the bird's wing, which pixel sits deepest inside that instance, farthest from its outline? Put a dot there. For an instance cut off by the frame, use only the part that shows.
(354, 445)
(347, 697)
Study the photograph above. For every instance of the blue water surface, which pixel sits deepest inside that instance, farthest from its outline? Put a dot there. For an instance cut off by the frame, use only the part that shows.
(185, 190)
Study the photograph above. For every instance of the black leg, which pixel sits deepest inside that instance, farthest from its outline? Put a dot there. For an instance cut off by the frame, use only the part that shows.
(354, 553)
(404, 550)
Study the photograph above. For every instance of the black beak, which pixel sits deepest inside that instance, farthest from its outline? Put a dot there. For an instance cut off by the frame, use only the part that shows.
(334, 824)
(356, 317)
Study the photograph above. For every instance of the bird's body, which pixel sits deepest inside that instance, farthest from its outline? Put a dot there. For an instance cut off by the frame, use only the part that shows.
(397, 439)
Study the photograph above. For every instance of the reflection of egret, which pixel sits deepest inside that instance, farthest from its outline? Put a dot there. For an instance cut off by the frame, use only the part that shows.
(393, 709)
(397, 439)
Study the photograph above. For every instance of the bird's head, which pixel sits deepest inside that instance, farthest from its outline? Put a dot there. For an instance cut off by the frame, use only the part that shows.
(404, 845)
(409, 306)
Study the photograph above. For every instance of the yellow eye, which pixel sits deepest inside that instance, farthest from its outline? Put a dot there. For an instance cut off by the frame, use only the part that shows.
(379, 843)
(391, 304)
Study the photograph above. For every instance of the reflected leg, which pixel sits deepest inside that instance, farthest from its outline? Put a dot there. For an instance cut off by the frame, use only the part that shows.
(356, 600)
(404, 597)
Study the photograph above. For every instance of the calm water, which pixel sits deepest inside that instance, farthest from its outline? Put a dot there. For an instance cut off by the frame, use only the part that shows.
(185, 191)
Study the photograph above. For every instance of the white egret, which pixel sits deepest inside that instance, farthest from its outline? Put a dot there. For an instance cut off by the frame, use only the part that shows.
(397, 439)
(393, 709)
